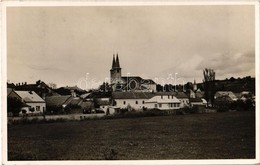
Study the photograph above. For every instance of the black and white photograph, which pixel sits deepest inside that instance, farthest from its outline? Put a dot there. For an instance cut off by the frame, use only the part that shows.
(127, 82)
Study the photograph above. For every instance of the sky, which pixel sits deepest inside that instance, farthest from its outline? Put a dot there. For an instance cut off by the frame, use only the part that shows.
(71, 45)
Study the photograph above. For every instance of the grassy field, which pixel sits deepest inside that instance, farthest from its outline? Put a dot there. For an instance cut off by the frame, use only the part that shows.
(200, 136)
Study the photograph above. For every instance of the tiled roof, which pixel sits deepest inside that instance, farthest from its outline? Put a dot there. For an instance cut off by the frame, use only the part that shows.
(146, 95)
(176, 94)
(199, 94)
(29, 96)
(75, 100)
(83, 96)
(159, 99)
(86, 104)
(57, 100)
(103, 102)
(132, 95)
(9, 90)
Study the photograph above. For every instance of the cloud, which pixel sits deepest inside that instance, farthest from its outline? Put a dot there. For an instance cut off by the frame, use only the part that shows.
(38, 67)
(230, 63)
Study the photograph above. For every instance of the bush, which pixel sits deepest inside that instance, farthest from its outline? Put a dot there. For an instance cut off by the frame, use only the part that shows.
(14, 105)
(244, 105)
(197, 109)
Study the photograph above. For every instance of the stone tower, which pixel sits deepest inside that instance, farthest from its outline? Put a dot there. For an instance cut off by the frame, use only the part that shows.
(115, 71)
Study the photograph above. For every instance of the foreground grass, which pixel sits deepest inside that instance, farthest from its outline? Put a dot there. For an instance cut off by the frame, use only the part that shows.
(199, 136)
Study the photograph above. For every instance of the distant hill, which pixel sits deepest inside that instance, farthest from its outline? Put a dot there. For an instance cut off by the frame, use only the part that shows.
(232, 84)
(235, 85)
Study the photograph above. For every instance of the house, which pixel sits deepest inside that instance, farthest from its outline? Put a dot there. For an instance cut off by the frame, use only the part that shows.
(199, 94)
(163, 102)
(104, 104)
(191, 93)
(41, 88)
(228, 95)
(184, 99)
(57, 103)
(136, 83)
(33, 103)
(131, 100)
(197, 102)
(128, 83)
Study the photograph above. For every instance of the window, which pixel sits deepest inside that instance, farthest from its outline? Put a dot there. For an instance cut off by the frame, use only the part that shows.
(168, 97)
(161, 97)
(136, 102)
(172, 96)
(143, 102)
(37, 108)
(155, 105)
(124, 102)
(43, 109)
(160, 105)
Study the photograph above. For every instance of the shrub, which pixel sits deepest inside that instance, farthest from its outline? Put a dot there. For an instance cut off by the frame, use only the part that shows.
(244, 105)
(14, 105)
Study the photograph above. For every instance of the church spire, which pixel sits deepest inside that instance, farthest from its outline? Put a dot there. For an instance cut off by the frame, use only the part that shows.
(114, 62)
(117, 61)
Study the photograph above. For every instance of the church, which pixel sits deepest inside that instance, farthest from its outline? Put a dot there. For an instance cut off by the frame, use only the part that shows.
(128, 83)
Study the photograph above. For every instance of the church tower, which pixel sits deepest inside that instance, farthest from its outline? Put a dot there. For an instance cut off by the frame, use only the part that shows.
(115, 71)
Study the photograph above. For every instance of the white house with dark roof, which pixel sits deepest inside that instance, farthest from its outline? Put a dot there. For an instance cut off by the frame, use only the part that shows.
(135, 100)
(184, 99)
(163, 102)
(34, 103)
(227, 94)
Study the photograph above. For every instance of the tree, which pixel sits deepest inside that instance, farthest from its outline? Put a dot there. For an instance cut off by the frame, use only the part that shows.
(52, 85)
(14, 105)
(209, 84)
(105, 87)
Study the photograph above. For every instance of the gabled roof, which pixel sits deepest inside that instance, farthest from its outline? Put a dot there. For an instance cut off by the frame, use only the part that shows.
(75, 100)
(179, 95)
(132, 95)
(103, 102)
(83, 96)
(57, 100)
(29, 96)
(159, 99)
(199, 94)
(86, 104)
(9, 90)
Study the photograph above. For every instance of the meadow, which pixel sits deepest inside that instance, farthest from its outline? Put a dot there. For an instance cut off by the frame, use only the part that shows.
(227, 135)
